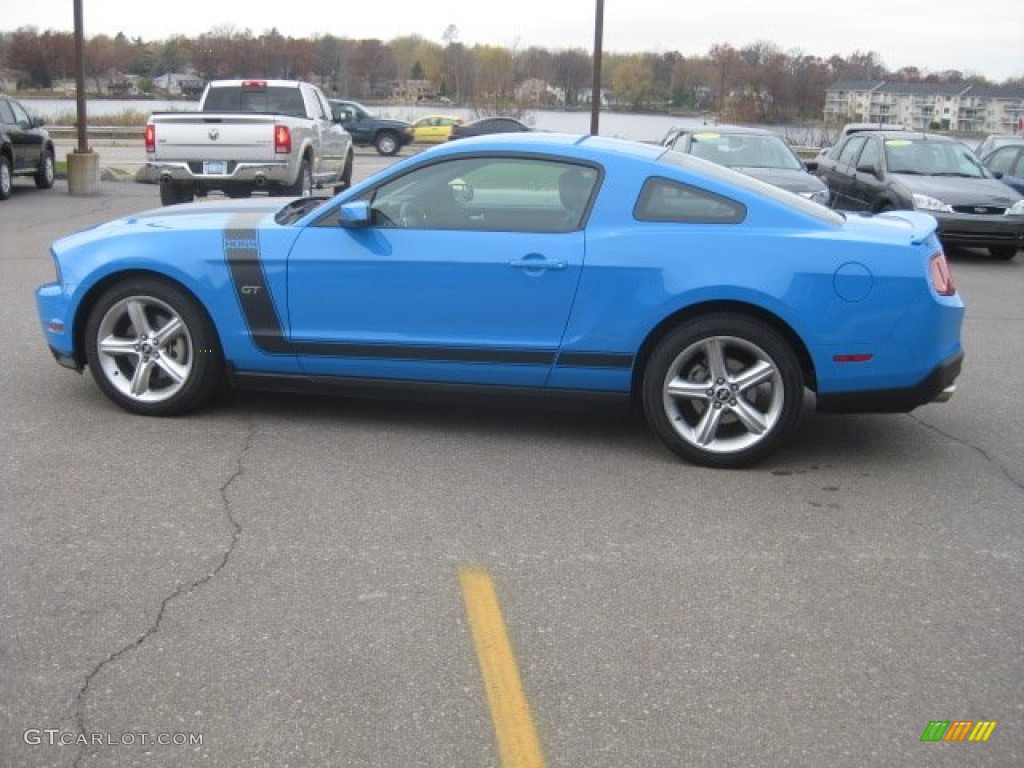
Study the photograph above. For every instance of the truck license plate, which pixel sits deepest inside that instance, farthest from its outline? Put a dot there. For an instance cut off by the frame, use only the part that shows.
(215, 167)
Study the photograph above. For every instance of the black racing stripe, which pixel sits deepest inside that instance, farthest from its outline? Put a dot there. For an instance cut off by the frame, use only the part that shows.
(242, 251)
(595, 360)
(436, 354)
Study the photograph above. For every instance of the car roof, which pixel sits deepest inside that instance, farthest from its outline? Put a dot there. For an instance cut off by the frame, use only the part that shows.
(581, 146)
(908, 135)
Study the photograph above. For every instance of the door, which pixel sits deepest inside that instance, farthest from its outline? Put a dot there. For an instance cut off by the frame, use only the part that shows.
(26, 139)
(840, 176)
(466, 274)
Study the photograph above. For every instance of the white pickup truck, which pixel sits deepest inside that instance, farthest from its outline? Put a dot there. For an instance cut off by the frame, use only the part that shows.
(275, 135)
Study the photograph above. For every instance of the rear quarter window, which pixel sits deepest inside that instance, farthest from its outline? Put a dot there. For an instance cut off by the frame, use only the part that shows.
(667, 200)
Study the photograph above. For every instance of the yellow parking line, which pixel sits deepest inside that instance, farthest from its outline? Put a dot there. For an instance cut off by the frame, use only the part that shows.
(518, 745)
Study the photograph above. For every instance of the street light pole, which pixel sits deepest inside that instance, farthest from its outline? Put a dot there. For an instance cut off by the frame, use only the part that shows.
(83, 136)
(595, 93)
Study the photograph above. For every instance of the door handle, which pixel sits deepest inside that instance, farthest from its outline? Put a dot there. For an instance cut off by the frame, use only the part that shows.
(537, 263)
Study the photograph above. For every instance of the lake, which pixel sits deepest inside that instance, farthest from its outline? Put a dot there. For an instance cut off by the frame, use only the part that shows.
(622, 125)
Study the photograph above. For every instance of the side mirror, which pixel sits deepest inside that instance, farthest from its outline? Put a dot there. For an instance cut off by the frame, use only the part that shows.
(354, 215)
(997, 174)
(874, 170)
(38, 122)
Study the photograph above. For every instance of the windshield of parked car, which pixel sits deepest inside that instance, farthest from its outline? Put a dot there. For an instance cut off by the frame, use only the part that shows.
(744, 150)
(924, 157)
(750, 184)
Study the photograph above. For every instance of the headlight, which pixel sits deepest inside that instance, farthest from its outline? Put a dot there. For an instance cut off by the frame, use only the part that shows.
(926, 203)
(1017, 209)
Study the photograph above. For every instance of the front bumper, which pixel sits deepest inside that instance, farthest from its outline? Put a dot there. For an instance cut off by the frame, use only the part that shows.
(937, 386)
(981, 231)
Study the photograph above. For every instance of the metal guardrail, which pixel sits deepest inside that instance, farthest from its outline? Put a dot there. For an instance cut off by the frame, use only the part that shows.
(97, 131)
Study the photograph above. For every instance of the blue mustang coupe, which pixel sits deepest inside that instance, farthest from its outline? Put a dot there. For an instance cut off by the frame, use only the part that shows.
(535, 264)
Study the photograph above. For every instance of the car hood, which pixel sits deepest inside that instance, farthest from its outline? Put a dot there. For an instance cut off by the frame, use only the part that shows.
(190, 216)
(788, 179)
(956, 190)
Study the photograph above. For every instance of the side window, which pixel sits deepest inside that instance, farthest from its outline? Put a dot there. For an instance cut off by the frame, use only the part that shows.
(1002, 160)
(871, 156)
(20, 115)
(6, 114)
(848, 154)
(500, 194)
(666, 200)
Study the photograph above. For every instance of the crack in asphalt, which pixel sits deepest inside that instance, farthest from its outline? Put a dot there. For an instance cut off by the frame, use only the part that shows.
(1019, 483)
(182, 589)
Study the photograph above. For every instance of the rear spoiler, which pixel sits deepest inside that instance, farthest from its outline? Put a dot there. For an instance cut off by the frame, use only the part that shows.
(922, 226)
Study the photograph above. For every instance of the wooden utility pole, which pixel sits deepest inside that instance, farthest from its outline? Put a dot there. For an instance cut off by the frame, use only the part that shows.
(83, 135)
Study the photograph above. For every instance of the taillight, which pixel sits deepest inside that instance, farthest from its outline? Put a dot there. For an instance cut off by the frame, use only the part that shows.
(942, 278)
(282, 140)
(150, 136)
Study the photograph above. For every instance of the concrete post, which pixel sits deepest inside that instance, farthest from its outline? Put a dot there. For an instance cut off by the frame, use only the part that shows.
(83, 173)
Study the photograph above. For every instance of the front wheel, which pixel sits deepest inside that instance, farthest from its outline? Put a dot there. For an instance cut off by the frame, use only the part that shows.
(6, 177)
(387, 143)
(44, 174)
(151, 348)
(1003, 252)
(722, 390)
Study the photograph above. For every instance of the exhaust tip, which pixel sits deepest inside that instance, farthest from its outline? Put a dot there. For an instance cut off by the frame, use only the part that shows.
(945, 395)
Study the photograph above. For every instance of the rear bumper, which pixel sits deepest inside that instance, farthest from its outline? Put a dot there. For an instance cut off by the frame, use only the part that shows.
(937, 386)
(238, 172)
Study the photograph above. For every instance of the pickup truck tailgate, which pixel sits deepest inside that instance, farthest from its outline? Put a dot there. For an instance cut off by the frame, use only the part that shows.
(243, 138)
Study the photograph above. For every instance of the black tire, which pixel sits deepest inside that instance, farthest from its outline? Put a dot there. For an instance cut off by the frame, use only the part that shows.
(346, 175)
(6, 177)
(151, 348)
(722, 390)
(44, 175)
(387, 143)
(173, 193)
(1002, 252)
(303, 186)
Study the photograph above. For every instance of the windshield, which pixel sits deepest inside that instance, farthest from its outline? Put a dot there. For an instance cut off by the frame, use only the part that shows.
(924, 157)
(746, 151)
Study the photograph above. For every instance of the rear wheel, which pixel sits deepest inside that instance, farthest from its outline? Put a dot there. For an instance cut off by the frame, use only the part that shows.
(303, 186)
(151, 348)
(722, 390)
(173, 193)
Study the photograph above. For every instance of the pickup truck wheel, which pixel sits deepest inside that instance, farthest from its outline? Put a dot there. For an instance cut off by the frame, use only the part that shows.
(5, 177)
(152, 349)
(387, 143)
(303, 186)
(44, 176)
(346, 174)
(172, 193)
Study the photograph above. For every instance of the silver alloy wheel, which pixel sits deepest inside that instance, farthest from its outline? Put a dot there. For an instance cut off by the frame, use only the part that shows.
(387, 143)
(48, 170)
(5, 178)
(145, 349)
(723, 394)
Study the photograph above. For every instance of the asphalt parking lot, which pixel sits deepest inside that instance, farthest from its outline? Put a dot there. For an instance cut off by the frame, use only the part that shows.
(281, 577)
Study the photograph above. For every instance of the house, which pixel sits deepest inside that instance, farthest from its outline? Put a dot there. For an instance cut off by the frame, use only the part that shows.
(178, 84)
(412, 91)
(926, 106)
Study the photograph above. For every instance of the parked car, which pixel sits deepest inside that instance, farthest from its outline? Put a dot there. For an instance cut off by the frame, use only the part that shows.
(434, 129)
(26, 148)
(851, 128)
(487, 125)
(752, 151)
(1006, 163)
(248, 135)
(710, 298)
(891, 170)
(993, 142)
(387, 136)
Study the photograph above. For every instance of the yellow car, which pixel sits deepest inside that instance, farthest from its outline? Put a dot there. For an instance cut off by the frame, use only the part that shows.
(434, 129)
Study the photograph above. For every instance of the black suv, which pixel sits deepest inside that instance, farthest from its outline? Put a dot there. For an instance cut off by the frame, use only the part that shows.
(889, 170)
(25, 147)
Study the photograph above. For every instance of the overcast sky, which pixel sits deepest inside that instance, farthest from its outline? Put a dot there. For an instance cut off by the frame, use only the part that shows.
(934, 35)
